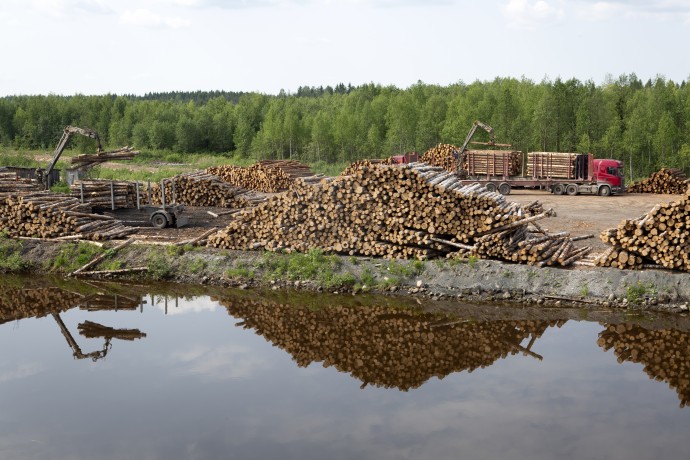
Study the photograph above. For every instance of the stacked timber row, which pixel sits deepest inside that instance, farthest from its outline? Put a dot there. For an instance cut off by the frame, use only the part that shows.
(551, 164)
(91, 159)
(384, 346)
(492, 163)
(665, 181)
(256, 177)
(292, 168)
(106, 193)
(10, 182)
(660, 238)
(201, 189)
(443, 155)
(16, 304)
(45, 215)
(356, 165)
(665, 353)
(401, 211)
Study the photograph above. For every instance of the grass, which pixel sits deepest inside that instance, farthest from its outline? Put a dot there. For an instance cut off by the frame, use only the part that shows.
(158, 264)
(310, 266)
(74, 256)
(11, 260)
(636, 292)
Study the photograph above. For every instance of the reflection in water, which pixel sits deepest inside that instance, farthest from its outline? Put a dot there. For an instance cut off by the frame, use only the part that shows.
(385, 346)
(664, 353)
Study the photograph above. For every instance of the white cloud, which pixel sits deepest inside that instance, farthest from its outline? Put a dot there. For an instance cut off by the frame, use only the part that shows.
(145, 18)
(220, 363)
(60, 8)
(20, 371)
(529, 15)
(664, 9)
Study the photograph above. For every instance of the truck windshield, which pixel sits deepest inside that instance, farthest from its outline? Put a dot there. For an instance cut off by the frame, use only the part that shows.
(614, 171)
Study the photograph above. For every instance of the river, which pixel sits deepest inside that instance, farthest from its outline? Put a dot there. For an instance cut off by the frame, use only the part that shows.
(115, 371)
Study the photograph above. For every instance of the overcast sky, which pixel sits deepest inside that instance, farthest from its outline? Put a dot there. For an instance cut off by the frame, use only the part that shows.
(140, 46)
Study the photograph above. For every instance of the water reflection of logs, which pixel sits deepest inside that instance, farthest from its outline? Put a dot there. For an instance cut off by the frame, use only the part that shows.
(27, 303)
(383, 346)
(92, 330)
(664, 353)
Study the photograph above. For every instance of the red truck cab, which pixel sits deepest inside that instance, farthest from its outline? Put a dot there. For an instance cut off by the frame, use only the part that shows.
(409, 157)
(606, 171)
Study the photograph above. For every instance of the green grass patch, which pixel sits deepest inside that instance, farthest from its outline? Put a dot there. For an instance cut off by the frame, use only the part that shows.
(159, 265)
(11, 260)
(74, 256)
(310, 266)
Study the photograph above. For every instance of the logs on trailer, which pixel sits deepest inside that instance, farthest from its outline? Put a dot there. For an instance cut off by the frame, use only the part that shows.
(665, 353)
(399, 211)
(492, 163)
(90, 159)
(665, 181)
(356, 165)
(202, 189)
(551, 164)
(660, 237)
(443, 155)
(385, 346)
(105, 193)
(258, 177)
(45, 215)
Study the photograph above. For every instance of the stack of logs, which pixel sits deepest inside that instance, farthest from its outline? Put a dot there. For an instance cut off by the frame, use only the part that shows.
(44, 215)
(443, 155)
(11, 182)
(201, 189)
(292, 168)
(400, 211)
(665, 181)
(385, 346)
(106, 193)
(551, 164)
(356, 165)
(665, 354)
(492, 162)
(87, 160)
(657, 239)
(256, 177)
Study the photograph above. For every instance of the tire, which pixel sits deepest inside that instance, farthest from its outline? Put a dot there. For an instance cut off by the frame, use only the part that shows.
(572, 190)
(604, 190)
(504, 188)
(159, 220)
(491, 187)
(558, 189)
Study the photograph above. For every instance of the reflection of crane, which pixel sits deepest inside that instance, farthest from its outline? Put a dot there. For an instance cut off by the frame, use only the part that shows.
(44, 176)
(93, 330)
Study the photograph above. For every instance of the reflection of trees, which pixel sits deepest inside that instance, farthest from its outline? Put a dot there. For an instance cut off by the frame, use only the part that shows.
(664, 353)
(385, 346)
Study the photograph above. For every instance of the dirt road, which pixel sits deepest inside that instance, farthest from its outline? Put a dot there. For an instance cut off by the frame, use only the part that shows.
(584, 214)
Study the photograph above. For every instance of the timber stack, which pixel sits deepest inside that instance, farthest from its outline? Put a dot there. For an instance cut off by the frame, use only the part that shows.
(45, 215)
(385, 346)
(443, 155)
(492, 162)
(656, 239)
(551, 164)
(292, 168)
(356, 165)
(398, 211)
(664, 353)
(665, 181)
(107, 193)
(256, 177)
(201, 189)
(16, 304)
(10, 182)
(87, 160)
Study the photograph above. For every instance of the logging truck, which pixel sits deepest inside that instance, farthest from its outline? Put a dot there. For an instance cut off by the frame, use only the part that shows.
(558, 172)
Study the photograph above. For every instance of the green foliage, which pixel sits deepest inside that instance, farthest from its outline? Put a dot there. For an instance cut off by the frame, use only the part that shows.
(60, 187)
(74, 256)
(638, 291)
(11, 260)
(159, 265)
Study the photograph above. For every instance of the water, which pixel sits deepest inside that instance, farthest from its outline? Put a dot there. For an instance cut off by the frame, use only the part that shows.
(261, 376)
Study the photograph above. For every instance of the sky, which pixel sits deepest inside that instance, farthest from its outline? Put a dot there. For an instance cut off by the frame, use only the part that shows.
(89, 47)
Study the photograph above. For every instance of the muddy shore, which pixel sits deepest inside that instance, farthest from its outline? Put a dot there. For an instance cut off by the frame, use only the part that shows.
(470, 280)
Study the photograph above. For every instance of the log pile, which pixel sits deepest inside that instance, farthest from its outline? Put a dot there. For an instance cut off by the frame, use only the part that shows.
(443, 155)
(385, 346)
(665, 181)
(10, 182)
(551, 164)
(665, 354)
(492, 162)
(45, 215)
(105, 193)
(257, 177)
(660, 238)
(359, 164)
(292, 168)
(90, 159)
(201, 189)
(400, 211)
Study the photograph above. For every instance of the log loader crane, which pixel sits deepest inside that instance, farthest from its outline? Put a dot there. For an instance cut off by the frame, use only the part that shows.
(43, 176)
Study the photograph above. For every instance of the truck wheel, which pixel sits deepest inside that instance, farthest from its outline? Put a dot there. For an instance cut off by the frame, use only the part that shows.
(604, 190)
(571, 190)
(557, 189)
(504, 188)
(491, 187)
(159, 220)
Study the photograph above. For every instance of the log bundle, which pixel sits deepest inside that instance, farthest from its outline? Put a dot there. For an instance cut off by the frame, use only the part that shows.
(359, 164)
(551, 164)
(665, 353)
(292, 168)
(46, 215)
(201, 189)
(258, 177)
(661, 237)
(665, 181)
(443, 155)
(106, 193)
(385, 346)
(492, 162)
(397, 211)
(91, 159)
(10, 182)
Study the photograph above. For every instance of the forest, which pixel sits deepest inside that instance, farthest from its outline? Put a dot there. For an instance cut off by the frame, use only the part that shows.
(645, 124)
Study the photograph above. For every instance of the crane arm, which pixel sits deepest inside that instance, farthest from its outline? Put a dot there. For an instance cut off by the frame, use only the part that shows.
(66, 134)
(485, 127)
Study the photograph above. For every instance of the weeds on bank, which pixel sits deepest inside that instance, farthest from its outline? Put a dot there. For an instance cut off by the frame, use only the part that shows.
(158, 265)
(312, 265)
(11, 255)
(74, 256)
(638, 291)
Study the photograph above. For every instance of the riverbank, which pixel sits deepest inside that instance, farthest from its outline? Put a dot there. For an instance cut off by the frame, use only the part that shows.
(469, 279)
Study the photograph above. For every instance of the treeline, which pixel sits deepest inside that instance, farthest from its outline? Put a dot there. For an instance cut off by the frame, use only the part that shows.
(644, 124)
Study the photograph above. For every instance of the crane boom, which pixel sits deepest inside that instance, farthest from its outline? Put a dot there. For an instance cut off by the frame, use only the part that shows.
(66, 134)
